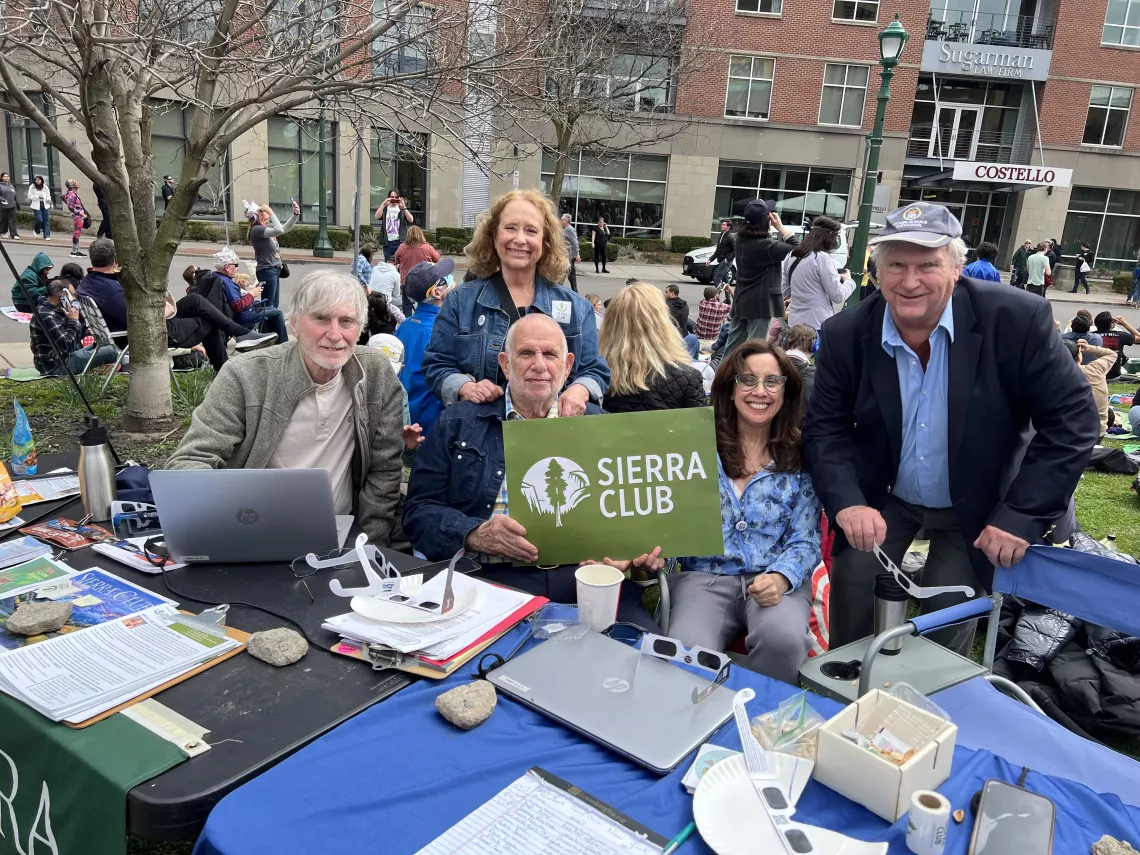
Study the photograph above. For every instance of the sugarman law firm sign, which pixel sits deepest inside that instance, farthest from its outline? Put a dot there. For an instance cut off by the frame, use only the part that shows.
(991, 61)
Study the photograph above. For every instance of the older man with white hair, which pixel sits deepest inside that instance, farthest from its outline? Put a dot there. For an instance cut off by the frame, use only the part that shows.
(318, 402)
(245, 305)
(457, 496)
(925, 395)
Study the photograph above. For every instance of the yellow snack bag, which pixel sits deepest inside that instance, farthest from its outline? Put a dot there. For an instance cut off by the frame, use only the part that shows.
(9, 500)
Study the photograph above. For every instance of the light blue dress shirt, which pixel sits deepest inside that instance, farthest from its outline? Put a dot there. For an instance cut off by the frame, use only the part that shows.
(924, 463)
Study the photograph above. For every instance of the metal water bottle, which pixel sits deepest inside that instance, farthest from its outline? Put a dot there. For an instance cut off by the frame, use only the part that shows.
(890, 609)
(96, 472)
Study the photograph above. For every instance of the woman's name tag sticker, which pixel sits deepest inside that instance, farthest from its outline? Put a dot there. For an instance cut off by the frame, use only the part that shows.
(560, 311)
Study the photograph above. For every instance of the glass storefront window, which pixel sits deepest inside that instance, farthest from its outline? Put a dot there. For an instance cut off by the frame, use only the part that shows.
(399, 163)
(30, 156)
(1108, 221)
(169, 130)
(981, 214)
(799, 192)
(294, 145)
(627, 189)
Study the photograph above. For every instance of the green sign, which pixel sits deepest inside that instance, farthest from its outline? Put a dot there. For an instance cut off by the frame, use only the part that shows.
(616, 485)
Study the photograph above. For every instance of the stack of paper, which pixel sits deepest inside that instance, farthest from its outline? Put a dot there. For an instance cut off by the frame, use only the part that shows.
(78, 675)
(436, 644)
(20, 550)
(120, 641)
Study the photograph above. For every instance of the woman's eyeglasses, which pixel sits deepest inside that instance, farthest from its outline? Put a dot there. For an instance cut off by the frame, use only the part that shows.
(773, 382)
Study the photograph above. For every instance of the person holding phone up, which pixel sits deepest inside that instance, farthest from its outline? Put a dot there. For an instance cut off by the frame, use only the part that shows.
(61, 323)
(396, 217)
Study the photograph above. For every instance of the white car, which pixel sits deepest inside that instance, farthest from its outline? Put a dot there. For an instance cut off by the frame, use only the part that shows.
(696, 262)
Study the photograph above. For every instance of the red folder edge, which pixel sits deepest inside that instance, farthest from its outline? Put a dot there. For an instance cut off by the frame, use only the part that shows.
(517, 616)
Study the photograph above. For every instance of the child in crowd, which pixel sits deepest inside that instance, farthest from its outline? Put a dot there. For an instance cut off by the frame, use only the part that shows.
(711, 314)
(426, 286)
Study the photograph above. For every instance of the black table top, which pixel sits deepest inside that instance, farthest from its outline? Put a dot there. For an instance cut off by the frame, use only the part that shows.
(257, 714)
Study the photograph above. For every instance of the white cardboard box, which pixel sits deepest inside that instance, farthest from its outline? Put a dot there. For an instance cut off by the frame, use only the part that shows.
(864, 777)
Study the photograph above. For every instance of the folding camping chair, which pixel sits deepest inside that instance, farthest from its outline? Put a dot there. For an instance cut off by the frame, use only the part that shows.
(102, 334)
(1096, 589)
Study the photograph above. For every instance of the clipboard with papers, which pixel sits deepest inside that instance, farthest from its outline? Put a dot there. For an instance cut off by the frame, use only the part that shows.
(437, 648)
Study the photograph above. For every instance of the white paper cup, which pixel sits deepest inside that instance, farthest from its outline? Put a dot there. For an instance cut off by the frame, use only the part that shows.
(599, 587)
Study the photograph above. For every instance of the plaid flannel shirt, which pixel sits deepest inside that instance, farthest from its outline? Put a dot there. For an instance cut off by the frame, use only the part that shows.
(500, 509)
(65, 332)
(711, 314)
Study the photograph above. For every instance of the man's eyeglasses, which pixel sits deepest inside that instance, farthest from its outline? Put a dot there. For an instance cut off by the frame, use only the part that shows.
(773, 382)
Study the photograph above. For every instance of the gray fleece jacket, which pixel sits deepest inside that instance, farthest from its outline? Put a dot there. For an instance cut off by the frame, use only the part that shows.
(249, 404)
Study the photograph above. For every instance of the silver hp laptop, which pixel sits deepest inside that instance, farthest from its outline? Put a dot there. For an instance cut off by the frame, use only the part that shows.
(639, 706)
(229, 516)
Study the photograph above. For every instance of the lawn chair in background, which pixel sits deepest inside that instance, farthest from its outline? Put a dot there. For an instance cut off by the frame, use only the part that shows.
(104, 337)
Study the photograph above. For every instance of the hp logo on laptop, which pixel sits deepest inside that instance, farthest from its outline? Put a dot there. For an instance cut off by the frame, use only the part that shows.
(247, 516)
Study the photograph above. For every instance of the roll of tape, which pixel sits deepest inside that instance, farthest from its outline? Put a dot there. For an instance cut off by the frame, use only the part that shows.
(926, 826)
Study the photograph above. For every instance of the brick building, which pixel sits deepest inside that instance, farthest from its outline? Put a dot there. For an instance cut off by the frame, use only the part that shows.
(781, 110)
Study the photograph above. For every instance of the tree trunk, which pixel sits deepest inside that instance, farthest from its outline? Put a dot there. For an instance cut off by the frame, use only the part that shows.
(564, 131)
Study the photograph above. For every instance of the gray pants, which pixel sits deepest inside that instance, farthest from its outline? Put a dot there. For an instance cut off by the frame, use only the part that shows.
(739, 331)
(853, 574)
(712, 611)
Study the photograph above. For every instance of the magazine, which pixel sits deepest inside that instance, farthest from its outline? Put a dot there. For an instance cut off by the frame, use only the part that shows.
(96, 597)
(22, 577)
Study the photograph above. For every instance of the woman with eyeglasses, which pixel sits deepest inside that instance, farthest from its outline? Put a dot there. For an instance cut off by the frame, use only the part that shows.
(761, 586)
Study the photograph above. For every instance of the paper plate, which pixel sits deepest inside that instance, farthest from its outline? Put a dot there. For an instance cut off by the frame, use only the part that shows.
(386, 611)
(732, 820)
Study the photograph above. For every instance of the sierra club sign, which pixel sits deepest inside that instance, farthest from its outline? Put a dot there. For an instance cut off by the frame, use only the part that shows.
(615, 486)
(1005, 173)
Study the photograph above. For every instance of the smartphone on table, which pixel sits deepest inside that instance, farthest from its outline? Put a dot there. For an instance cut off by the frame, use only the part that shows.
(1012, 821)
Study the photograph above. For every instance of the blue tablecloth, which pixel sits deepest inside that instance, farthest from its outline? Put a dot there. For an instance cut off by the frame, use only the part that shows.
(395, 777)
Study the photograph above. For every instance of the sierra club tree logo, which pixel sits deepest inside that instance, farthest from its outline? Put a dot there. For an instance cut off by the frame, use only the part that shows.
(555, 485)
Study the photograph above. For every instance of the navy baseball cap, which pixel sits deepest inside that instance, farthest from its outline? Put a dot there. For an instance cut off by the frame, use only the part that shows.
(756, 211)
(920, 223)
(424, 275)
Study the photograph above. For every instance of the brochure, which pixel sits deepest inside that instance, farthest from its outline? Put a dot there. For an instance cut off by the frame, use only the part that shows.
(23, 577)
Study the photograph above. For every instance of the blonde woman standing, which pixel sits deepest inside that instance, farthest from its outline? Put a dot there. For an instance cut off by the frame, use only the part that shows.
(410, 253)
(649, 366)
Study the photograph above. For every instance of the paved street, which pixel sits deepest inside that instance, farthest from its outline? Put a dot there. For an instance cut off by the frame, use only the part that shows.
(14, 350)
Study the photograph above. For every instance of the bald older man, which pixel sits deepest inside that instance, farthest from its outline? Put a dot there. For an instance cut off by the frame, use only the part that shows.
(457, 496)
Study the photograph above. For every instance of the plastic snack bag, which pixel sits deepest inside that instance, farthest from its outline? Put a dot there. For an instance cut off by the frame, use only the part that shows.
(23, 446)
(9, 498)
(790, 729)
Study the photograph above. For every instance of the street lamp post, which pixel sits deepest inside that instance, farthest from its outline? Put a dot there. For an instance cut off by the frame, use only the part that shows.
(892, 40)
(322, 248)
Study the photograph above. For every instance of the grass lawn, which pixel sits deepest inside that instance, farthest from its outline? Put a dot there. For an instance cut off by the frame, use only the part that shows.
(1105, 503)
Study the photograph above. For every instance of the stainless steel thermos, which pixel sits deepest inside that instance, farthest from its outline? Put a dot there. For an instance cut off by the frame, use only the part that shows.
(890, 609)
(96, 472)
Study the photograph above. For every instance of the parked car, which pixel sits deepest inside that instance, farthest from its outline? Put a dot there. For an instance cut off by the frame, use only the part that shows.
(696, 262)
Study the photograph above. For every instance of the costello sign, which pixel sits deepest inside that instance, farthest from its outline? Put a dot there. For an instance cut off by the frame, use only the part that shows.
(1006, 173)
(960, 58)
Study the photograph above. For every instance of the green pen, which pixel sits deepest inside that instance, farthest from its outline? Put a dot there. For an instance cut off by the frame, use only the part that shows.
(676, 842)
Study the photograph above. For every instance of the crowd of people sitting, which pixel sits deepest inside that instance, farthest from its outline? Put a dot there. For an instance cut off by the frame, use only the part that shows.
(889, 418)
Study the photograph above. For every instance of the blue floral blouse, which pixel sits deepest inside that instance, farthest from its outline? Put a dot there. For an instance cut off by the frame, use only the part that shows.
(773, 527)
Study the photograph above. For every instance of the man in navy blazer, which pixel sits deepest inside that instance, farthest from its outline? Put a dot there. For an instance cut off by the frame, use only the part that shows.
(924, 396)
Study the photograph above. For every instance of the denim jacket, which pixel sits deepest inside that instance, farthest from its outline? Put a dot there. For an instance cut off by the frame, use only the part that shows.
(456, 477)
(472, 326)
(774, 527)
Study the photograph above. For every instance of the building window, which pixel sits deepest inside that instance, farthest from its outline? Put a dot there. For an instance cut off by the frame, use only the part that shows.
(801, 193)
(764, 7)
(399, 162)
(30, 155)
(294, 172)
(635, 83)
(844, 93)
(403, 48)
(1108, 221)
(627, 189)
(1108, 115)
(749, 87)
(968, 120)
(1122, 23)
(169, 131)
(856, 10)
